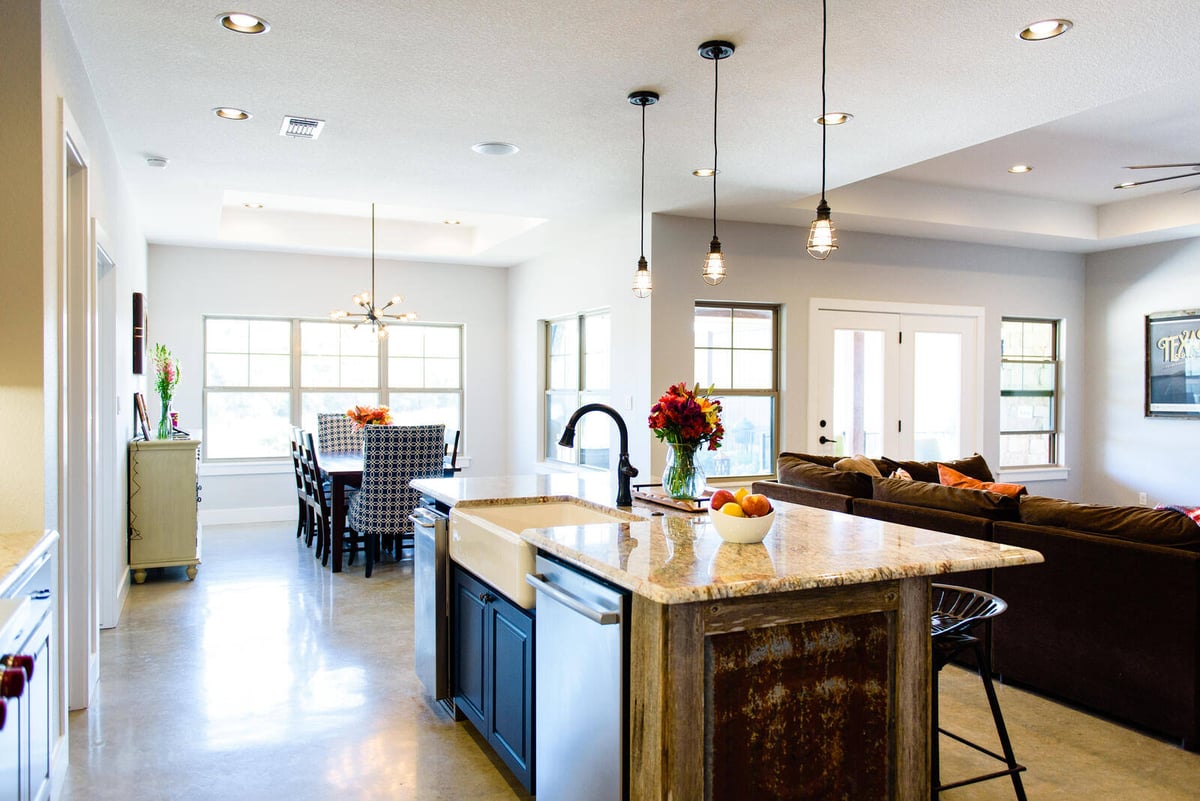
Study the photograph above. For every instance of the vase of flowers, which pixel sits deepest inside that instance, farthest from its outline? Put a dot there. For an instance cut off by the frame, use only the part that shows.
(166, 377)
(364, 416)
(685, 419)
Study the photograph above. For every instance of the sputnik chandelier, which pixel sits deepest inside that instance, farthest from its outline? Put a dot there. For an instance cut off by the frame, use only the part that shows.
(375, 316)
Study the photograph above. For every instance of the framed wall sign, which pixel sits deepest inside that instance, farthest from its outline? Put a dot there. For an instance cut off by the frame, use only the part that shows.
(139, 333)
(1173, 364)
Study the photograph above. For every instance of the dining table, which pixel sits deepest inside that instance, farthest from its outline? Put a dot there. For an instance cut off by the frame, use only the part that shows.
(344, 469)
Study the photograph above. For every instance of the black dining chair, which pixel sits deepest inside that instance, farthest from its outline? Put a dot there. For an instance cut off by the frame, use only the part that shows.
(303, 521)
(450, 462)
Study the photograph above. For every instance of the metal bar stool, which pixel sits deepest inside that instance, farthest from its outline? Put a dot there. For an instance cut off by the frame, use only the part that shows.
(956, 611)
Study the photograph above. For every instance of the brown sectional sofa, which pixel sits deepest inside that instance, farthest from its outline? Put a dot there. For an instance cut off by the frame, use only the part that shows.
(1110, 621)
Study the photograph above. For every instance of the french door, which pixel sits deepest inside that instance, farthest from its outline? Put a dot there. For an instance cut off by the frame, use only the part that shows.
(896, 382)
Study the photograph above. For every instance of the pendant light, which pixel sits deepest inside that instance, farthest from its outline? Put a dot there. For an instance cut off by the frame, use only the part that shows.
(375, 316)
(822, 239)
(713, 270)
(642, 285)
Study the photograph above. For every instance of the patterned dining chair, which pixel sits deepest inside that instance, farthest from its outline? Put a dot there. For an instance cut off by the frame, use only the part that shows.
(392, 456)
(337, 433)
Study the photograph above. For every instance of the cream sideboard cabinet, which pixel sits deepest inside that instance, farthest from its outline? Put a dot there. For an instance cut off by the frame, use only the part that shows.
(163, 496)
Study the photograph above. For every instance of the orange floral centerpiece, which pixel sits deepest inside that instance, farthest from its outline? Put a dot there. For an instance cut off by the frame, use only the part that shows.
(685, 419)
(364, 416)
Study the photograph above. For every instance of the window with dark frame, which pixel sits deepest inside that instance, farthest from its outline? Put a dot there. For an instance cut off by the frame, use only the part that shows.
(736, 352)
(1029, 380)
(577, 371)
(262, 376)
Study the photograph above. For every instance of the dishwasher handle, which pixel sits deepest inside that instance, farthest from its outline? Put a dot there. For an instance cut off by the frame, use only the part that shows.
(605, 617)
(423, 518)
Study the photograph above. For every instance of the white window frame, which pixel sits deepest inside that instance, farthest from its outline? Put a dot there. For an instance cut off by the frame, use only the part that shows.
(583, 393)
(1055, 431)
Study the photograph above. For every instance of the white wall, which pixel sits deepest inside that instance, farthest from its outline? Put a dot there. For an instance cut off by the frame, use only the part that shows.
(768, 264)
(187, 283)
(1127, 452)
(587, 265)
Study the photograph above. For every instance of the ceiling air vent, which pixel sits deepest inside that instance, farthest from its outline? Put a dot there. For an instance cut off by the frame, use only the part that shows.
(301, 127)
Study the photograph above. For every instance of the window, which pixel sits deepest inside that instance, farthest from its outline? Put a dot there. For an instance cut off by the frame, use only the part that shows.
(1028, 393)
(736, 352)
(577, 371)
(262, 376)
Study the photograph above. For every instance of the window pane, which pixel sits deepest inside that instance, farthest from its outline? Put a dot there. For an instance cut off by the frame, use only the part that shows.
(271, 371)
(270, 336)
(559, 407)
(227, 370)
(713, 327)
(1026, 413)
(405, 372)
(360, 341)
(593, 435)
(247, 425)
(563, 348)
(441, 373)
(406, 340)
(747, 448)
(425, 408)
(319, 339)
(753, 328)
(443, 342)
(338, 355)
(227, 336)
(753, 369)
(332, 402)
(937, 395)
(1027, 376)
(714, 368)
(318, 371)
(1020, 450)
(360, 371)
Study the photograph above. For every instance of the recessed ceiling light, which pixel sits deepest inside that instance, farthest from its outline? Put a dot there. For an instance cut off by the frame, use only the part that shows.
(253, 205)
(241, 22)
(1045, 29)
(230, 113)
(156, 161)
(1017, 169)
(451, 222)
(834, 118)
(1126, 185)
(707, 172)
(495, 148)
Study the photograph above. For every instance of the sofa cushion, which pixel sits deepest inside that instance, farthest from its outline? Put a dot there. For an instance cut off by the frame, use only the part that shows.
(803, 473)
(815, 458)
(949, 477)
(1133, 523)
(858, 464)
(978, 503)
(974, 466)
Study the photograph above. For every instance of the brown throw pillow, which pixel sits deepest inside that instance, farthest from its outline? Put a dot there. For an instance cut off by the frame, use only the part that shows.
(803, 473)
(952, 478)
(1135, 523)
(974, 466)
(977, 503)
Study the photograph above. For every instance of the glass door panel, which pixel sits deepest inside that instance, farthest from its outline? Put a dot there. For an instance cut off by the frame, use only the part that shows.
(937, 396)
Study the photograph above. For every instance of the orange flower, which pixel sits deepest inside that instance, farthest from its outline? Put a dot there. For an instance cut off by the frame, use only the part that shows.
(370, 416)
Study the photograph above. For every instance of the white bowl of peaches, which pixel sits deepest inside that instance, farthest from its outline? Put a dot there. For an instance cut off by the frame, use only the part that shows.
(740, 516)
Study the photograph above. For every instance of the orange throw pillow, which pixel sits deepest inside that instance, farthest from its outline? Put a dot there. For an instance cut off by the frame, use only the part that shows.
(952, 478)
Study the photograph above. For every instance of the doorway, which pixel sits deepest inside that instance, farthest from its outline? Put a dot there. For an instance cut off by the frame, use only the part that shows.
(110, 530)
(895, 379)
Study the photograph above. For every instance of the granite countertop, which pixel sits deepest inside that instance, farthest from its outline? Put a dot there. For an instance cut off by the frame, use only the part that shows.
(678, 557)
(18, 549)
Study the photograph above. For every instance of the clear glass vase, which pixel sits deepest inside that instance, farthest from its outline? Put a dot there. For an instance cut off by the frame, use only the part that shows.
(165, 429)
(683, 478)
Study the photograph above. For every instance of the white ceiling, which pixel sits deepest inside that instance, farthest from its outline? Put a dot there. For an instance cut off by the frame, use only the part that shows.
(945, 98)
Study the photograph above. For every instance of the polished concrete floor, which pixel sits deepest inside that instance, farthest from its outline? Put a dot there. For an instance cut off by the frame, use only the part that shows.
(270, 678)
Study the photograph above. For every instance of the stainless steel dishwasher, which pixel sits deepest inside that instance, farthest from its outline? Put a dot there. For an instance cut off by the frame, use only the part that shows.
(431, 593)
(581, 693)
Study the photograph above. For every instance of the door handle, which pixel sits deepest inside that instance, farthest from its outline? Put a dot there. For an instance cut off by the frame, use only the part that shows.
(605, 617)
(824, 440)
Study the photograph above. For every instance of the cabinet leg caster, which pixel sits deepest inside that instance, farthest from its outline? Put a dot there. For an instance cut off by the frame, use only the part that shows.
(139, 577)
(191, 572)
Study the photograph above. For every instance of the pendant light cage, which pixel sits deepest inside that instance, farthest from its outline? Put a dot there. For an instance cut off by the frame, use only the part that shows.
(713, 269)
(822, 238)
(375, 316)
(642, 284)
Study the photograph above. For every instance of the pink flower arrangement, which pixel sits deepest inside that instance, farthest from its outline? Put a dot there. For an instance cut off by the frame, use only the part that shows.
(166, 373)
(687, 416)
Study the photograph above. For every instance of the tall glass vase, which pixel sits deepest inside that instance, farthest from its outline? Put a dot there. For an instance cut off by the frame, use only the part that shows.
(683, 478)
(165, 429)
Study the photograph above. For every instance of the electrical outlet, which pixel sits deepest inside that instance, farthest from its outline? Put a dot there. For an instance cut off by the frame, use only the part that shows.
(1141, 498)
(629, 402)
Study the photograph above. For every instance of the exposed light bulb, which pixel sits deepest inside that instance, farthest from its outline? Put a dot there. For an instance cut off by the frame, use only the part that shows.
(821, 236)
(713, 271)
(381, 331)
(642, 285)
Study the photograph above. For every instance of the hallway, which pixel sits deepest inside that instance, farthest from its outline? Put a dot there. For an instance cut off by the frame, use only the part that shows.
(270, 678)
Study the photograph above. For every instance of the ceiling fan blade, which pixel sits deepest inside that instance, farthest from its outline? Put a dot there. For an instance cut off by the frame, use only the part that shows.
(1160, 166)
(1157, 180)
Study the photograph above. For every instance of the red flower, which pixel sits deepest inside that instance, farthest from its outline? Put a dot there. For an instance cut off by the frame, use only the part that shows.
(687, 416)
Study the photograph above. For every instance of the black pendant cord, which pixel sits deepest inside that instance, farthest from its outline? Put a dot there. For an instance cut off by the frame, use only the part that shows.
(716, 88)
(824, 122)
(643, 217)
(371, 303)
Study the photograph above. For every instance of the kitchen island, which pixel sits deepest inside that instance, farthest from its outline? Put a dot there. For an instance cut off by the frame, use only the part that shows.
(795, 668)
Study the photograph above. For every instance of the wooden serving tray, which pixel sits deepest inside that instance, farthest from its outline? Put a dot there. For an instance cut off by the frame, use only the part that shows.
(654, 493)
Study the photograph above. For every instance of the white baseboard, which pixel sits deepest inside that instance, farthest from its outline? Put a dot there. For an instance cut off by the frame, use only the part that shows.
(248, 514)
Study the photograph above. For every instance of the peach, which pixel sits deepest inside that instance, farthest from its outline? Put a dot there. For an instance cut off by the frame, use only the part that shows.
(756, 505)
